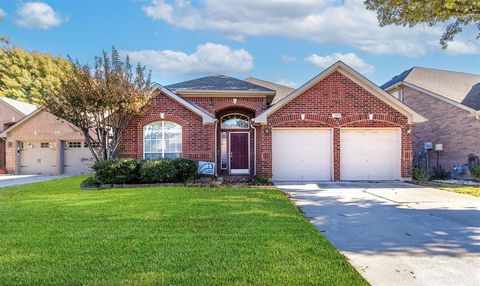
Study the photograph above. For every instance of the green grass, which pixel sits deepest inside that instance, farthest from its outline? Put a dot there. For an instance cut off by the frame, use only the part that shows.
(467, 190)
(55, 233)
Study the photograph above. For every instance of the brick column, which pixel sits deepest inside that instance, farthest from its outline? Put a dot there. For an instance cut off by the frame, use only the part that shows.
(336, 154)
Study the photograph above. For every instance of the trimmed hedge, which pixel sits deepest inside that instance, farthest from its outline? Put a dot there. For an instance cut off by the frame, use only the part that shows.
(131, 171)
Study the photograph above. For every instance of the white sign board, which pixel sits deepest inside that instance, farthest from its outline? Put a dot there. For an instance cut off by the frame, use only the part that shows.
(206, 168)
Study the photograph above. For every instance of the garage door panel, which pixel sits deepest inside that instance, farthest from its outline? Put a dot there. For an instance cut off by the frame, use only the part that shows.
(301, 155)
(369, 154)
(78, 158)
(38, 158)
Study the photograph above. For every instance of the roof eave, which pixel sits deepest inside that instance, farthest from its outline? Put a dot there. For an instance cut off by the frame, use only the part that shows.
(223, 92)
(206, 118)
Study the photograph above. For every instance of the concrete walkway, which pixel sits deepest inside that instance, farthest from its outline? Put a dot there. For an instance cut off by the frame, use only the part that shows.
(14, 180)
(397, 233)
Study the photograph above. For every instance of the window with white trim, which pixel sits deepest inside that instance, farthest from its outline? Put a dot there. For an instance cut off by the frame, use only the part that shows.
(162, 139)
(235, 121)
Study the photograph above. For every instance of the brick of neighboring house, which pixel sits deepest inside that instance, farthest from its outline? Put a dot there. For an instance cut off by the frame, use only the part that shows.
(41, 127)
(455, 128)
(335, 94)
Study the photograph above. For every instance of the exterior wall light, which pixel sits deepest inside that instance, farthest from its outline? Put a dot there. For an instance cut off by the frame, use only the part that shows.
(370, 116)
(234, 101)
(302, 116)
(162, 115)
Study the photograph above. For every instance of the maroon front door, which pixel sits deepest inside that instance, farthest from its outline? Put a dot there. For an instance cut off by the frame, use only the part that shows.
(239, 153)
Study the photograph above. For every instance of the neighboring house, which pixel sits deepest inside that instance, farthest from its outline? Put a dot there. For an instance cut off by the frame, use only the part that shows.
(42, 144)
(11, 111)
(337, 126)
(451, 102)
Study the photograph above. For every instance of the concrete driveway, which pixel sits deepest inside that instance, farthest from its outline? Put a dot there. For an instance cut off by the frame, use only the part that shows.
(14, 180)
(397, 233)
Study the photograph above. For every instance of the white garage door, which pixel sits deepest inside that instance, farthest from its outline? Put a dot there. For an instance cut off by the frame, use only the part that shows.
(301, 155)
(370, 154)
(77, 158)
(38, 158)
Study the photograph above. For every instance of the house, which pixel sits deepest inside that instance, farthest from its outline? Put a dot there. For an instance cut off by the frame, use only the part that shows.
(11, 111)
(451, 102)
(40, 143)
(337, 126)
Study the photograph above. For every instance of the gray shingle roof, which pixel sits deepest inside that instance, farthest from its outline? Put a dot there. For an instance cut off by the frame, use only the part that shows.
(463, 88)
(218, 83)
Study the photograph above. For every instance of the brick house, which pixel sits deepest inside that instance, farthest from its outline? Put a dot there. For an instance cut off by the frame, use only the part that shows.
(451, 102)
(42, 144)
(337, 126)
(11, 111)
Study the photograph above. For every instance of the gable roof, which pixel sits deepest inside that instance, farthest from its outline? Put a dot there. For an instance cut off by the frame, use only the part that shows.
(459, 87)
(21, 121)
(281, 90)
(20, 106)
(218, 83)
(207, 118)
(353, 75)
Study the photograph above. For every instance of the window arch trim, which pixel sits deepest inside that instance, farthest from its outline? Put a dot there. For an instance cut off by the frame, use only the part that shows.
(242, 121)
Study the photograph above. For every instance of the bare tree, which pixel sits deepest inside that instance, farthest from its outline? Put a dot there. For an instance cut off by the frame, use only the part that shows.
(100, 101)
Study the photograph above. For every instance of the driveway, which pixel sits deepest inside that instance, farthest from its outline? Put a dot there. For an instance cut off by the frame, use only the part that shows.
(397, 233)
(14, 180)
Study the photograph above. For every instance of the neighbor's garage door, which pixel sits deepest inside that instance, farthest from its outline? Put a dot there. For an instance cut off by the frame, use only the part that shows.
(38, 158)
(370, 154)
(77, 158)
(301, 154)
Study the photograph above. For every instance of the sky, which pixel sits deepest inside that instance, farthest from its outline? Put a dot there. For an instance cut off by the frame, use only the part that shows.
(283, 41)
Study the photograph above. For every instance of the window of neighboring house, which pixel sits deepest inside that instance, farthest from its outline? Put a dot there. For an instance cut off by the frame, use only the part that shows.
(235, 121)
(47, 145)
(162, 139)
(94, 145)
(223, 150)
(73, 144)
(27, 145)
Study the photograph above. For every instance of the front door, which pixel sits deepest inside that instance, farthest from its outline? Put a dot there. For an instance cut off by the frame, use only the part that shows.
(239, 153)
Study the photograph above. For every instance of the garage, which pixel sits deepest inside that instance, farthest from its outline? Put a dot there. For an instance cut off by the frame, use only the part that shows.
(38, 158)
(302, 154)
(77, 158)
(370, 154)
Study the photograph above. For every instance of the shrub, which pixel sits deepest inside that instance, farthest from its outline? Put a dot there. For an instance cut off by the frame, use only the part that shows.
(117, 171)
(3, 171)
(185, 170)
(419, 174)
(439, 174)
(90, 182)
(157, 171)
(260, 181)
(476, 173)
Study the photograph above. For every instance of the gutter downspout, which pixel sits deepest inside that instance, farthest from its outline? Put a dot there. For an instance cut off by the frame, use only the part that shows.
(254, 149)
(216, 151)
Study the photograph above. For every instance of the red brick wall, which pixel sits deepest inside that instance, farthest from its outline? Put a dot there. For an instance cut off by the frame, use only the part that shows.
(334, 94)
(216, 104)
(197, 139)
(447, 124)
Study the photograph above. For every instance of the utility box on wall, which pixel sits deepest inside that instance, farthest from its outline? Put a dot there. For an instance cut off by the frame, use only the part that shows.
(428, 145)
(438, 147)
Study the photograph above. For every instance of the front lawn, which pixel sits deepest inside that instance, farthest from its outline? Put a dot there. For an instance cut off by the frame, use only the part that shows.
(55, 233)
(467, 190)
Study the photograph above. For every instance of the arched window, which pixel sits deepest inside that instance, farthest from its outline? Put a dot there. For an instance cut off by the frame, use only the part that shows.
(162, 139)
(235, 121)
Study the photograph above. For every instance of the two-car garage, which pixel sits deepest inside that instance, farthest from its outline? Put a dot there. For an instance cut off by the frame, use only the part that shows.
(307, 154)
(43, 158)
